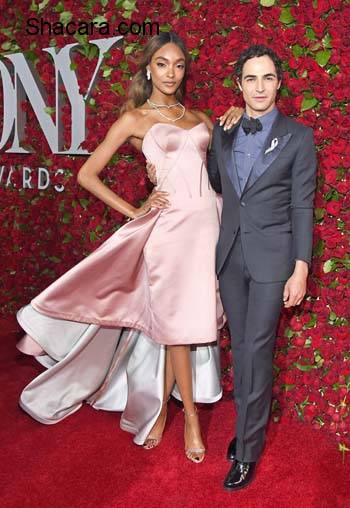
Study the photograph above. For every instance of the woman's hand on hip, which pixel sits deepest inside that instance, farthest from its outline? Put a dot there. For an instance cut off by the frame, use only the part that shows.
(157, 199)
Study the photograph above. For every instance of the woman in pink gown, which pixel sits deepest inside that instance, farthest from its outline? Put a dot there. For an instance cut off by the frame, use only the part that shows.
(138, 319)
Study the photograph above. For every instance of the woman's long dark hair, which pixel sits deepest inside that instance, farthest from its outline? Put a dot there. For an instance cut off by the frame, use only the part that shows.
(141, 88)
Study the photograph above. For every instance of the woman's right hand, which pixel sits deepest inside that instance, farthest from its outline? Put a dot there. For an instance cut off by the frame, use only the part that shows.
(157, 199)
(151, 172)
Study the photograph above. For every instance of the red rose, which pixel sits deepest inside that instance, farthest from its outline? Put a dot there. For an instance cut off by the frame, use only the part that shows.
(333, 207)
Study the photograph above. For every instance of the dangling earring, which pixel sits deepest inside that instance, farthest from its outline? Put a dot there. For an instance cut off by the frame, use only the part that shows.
(148, 72)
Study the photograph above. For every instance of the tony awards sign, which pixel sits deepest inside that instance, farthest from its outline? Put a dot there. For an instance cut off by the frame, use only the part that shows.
(20, 81)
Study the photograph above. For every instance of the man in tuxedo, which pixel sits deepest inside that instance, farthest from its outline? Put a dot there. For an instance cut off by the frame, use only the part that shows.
(265, 169)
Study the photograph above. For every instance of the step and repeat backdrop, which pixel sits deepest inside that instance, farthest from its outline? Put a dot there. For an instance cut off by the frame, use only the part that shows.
(65, 68)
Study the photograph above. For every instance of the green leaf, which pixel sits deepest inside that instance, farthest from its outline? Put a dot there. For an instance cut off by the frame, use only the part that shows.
(107, 72)
(42, 5)
(227, 83)
(332, 316)
(49, 110)
(310, 34)
(289, 333)
(6, 45)
(99, 19)
(33, 6)
(54, 259)
(129, 5)
(299, 411)
(286, 16)
(332, 195)
(327, 41)
(319, 248)
(322, 57)
(176, 5)
(165, 27)
(340, 225)
(123, 66)
(346, 263)
(329, 266)
(65, 17)
(297, 50)
(267, 3)
(66, 218)
(194, 52)
(343, 449)
(59, 7)
(308, 342)
(287, 388)
(67, 238)
(319, 213)
(333, 284)
(308, 103)
(118, 88)
(304, 368)
(319, 360)
(312, 322)
(84, 202)
(333, 69)
(92, 236)
(284, 92)
(129, 49)
(81, 38)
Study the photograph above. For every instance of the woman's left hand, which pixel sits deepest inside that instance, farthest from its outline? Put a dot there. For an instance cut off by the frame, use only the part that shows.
(230, 117)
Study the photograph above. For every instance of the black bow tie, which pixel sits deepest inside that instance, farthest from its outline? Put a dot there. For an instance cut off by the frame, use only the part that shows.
(251, 125)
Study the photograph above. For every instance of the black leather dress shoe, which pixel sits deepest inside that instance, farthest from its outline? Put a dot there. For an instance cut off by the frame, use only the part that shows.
(240, 475)
(231, 450)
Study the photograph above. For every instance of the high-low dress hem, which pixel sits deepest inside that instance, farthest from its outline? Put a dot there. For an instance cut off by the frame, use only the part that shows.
(104, 325)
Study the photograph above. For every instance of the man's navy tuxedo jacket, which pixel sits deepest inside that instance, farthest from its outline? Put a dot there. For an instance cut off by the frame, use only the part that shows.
(275, 209)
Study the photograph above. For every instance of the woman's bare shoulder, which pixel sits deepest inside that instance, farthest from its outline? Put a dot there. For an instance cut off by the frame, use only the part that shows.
(203, 118)
(131, 121)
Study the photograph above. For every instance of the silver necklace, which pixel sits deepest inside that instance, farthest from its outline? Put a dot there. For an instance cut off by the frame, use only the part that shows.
(157, 106)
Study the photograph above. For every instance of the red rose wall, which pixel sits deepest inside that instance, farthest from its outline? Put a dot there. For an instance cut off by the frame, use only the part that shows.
(45, 232)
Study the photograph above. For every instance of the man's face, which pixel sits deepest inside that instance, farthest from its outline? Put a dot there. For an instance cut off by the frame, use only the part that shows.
(259, 85)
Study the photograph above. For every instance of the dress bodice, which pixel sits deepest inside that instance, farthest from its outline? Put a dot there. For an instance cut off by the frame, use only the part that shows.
(179, 156)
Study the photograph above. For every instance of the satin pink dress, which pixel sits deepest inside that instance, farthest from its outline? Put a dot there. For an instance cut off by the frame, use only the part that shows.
(102, 328)
(156, 273)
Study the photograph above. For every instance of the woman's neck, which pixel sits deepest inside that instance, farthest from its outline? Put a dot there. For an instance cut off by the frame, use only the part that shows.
(160, 98)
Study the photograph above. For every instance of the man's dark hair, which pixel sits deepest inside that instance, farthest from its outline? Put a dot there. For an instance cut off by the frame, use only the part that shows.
(257, 50)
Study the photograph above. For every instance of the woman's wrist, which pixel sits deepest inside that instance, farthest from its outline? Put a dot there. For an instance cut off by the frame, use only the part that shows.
(132, 214)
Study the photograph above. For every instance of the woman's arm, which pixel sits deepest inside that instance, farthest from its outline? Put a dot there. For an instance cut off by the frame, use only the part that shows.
(118, 133)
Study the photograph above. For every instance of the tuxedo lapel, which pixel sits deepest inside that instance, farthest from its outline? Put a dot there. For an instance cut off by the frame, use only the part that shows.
(274, 144)
(228, 139)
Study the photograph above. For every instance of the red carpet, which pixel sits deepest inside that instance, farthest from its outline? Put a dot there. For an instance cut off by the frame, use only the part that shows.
(87, 461)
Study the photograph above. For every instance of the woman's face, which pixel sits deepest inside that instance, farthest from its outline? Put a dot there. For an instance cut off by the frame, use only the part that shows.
(167, 68)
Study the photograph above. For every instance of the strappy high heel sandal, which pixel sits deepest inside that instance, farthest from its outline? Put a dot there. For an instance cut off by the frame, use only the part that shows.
(153, 441)
(195, 454)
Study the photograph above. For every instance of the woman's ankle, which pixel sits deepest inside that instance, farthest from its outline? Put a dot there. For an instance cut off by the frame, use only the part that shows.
(191, 411)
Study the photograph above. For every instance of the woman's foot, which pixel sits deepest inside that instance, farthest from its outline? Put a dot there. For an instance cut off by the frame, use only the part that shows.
(155, 436)
(194, 447)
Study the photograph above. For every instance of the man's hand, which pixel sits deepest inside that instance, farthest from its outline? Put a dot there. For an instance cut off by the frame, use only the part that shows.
(151, 172)
(295, 287)
(230, 117)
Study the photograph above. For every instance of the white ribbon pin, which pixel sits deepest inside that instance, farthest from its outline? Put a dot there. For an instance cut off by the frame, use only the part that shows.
(273, 145)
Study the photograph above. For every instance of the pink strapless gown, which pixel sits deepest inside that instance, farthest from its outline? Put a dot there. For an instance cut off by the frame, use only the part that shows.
(150, 284)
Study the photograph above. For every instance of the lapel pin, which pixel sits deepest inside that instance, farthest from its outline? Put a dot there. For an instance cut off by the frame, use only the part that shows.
(273, 145)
